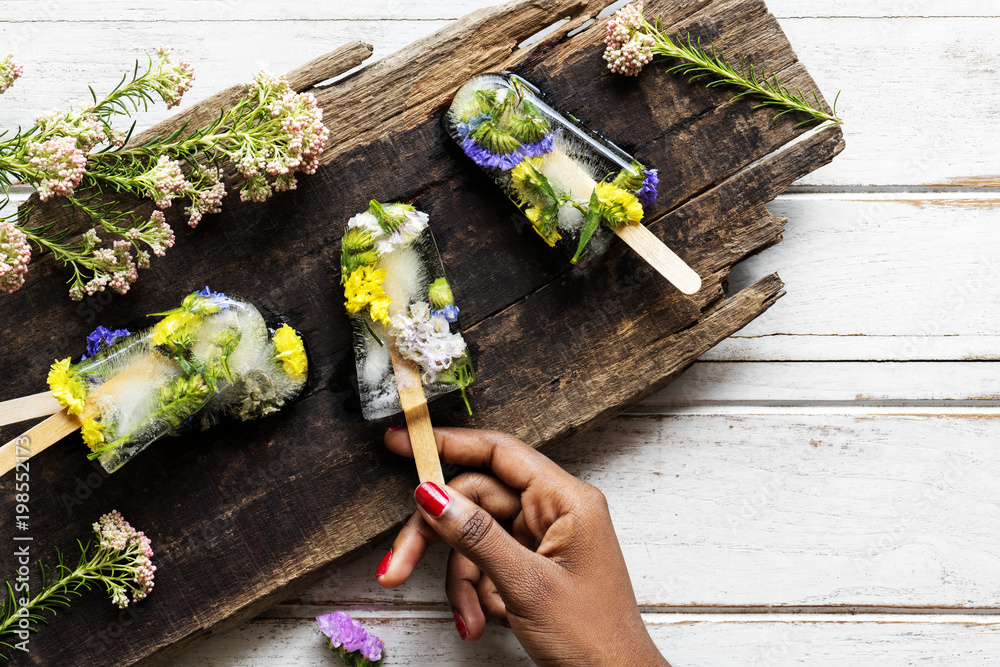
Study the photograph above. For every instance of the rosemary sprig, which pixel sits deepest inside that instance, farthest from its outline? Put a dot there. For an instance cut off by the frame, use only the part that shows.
(698, 63)
(121, 562)
(632, 42)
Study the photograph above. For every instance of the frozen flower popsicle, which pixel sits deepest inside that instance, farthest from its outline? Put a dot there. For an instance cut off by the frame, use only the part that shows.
(213, 358)
(575, 189)
(407, 347)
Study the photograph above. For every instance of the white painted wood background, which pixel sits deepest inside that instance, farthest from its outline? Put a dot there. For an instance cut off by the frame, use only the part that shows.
(822, 488)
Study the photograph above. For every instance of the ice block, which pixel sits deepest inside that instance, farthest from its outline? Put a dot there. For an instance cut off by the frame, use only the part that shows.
(575, 188)
(407, 346)
(211, 359)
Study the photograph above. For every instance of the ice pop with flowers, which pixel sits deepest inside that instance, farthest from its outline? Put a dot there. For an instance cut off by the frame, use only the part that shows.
(575, 188)
(211, 359)
(407, 346)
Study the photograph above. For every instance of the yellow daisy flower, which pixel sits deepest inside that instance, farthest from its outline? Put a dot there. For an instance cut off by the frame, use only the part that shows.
(363, 289)
(93, 434)
(173, 325)
(290, 351)
(618, 206)
(533, 214)
(67, 389)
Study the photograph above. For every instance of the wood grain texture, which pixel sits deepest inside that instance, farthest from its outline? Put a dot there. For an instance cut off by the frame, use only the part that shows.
(688, 640)
(288, 496)
(812, 510)
(191, 11)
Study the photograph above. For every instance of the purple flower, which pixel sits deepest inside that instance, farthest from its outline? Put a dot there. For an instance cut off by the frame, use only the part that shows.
(372, 648)
(647, 193)
(449, 312)
(485, 158)
(540, 147)
(102, 338)
(347, 634)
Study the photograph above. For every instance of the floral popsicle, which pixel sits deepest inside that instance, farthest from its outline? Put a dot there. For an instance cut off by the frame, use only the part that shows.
(211, 359)
(407, 348)
(575, 190)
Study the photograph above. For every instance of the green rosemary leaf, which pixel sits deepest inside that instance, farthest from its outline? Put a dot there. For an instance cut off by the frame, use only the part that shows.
(590, 225)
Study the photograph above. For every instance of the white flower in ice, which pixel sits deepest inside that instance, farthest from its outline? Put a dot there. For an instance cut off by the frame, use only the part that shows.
(406, 222)
(427, 340)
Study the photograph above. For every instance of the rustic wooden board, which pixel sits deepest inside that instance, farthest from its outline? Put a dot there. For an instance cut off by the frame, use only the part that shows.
(243, 516)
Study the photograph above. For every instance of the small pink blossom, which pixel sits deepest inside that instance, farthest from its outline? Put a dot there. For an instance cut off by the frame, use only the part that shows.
(113, 267)
(159, 235)
(206, 197)
(172, 77)
(115, 534)
(15, 254)
(9, 72)
(164, 181)
(628, 48)
(56, 165)
(82, 125)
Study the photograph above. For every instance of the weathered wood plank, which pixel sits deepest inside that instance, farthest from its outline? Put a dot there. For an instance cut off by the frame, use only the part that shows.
(188, 11)
(895, 277)
(687, 640)
(745, 511)
(850, 384)
(871, 59)
(314, 485)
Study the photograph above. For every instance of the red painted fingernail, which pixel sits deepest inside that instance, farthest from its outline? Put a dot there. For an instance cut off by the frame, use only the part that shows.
(431, 498)
(463, 629)
(383, 567)
(506, 622)
(396, 428)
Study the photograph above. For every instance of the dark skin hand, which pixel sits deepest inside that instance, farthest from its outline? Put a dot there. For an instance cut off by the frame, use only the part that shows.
(532, 547)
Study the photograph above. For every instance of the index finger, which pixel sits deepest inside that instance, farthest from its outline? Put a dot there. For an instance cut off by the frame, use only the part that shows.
(514, 462)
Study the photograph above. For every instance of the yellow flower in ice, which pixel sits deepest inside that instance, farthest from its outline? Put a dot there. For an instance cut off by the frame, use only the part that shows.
(363, 289)
(526, 181)
(93, 433)
(67, 389)
(618, 206)
(290, 351)
(534, 214)
(380, 310)
(172, 325)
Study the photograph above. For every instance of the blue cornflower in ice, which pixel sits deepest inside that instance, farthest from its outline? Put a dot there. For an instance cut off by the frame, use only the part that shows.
(486, 158)
(466, 127)
(449, 312)
(221, 299)
(347, 636)
(102, 338)
(647, 193)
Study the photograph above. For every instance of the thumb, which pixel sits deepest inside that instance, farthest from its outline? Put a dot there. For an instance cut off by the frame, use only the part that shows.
(474, 533)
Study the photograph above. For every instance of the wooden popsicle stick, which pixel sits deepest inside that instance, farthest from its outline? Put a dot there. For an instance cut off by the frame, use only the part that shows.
(660, 257)
(28, 407)
(418, 418)
(39, 437)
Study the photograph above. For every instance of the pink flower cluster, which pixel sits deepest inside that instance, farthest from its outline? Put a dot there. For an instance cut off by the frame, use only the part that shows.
(14, 257)
(173, 77)
(82, 125)
(158, 235)
(628, 48)
(164, 181)
(57, 164)
(115, 534)
(294, 146)
(206, 196)
(114, 267)
(9, 72)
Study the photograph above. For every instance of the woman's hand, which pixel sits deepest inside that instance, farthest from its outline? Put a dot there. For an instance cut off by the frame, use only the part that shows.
(533, 547)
